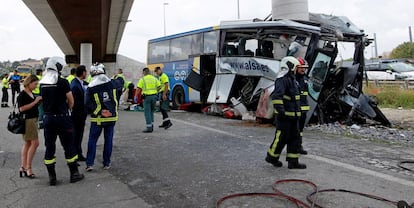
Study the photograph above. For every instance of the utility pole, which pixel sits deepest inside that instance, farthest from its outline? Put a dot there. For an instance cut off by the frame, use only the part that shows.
(376, 46)
(238, 9)
(410, 34)
(165, 24)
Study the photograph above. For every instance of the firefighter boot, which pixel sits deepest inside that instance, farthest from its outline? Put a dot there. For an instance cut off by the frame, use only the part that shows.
(302, 151)
(294, 164)
(75, 176)
(274, 161)
(52, 174)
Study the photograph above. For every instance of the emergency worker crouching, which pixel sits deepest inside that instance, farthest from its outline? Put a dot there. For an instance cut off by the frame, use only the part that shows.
(57, 104)
(286, 101)
(101, 102)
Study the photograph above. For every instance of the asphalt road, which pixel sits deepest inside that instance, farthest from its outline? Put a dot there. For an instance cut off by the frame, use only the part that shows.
(203, 158)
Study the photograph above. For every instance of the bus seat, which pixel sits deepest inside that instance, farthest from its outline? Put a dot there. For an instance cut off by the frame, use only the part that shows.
(258, 52)
(230, 50)
(249, 53)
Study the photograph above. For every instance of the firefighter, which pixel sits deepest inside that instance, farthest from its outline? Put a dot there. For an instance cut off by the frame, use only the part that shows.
(163, 97)
(57, 104)
(286, 101)
(121, 83)
(304, 106)
(148, 86)
(101, 102)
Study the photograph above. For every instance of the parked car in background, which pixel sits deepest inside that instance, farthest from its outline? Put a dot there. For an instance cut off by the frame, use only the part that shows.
(389, 71)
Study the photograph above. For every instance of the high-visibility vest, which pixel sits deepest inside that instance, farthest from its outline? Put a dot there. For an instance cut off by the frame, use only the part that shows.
(163, 80)
(5, 83)
(123, 77)
(70, 78)
(89, 79)
(37, 89)
(149, 85)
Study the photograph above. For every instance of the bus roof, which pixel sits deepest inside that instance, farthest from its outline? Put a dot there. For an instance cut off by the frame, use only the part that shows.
(246, 24)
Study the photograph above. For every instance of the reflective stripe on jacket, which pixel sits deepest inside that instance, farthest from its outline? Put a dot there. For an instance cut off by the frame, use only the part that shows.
(303, 84)
(149, 85)
(286, 96)
(102, 97)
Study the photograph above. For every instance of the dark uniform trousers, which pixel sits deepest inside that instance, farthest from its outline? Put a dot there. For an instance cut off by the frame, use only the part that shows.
(164, 106)
(79, 128)
(302, 120)
(287, 133)
(5, 96)
(62, 126)
(15, 90)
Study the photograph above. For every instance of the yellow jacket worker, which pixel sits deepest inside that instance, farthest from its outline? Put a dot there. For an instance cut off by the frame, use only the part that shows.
(148, 85)
(163, 94)
(5, 88)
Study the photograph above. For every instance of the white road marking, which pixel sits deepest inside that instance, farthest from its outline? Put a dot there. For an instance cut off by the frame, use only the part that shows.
(209, 129)
(362, 170)
(319, 158)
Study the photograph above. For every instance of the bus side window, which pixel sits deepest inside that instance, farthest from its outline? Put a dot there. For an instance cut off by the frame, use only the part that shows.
(210, 42)
(267, 49)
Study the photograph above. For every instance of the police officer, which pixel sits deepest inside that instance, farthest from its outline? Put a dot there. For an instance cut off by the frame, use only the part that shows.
(163, 95)
(304, 106)
(102, 104)
(57, 104)
(286, 101)
(36, 93)
(148, 86)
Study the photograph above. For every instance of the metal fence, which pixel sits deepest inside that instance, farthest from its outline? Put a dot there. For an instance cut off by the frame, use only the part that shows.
(404, 84)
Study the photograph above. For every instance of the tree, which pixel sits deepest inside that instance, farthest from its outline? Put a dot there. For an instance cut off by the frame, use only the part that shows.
(15, 64)
(405, 50)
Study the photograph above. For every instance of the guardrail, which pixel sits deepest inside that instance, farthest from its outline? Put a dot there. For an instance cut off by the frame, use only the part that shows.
(405, 84)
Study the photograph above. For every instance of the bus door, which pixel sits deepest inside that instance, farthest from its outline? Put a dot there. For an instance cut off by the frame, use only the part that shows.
(202, 75)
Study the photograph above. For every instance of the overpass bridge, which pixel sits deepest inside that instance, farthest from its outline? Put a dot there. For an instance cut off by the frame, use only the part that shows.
(86, 31)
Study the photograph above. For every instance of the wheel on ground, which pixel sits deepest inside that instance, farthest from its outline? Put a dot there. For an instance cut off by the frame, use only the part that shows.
(178, 97)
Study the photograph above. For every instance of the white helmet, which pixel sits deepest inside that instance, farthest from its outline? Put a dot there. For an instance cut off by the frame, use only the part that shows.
(56, 63)
(289, 63)
(97, 69)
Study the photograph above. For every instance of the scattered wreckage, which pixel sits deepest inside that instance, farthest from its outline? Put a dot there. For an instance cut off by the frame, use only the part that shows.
(244, 78)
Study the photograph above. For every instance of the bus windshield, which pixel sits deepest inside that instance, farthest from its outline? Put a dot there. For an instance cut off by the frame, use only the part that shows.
(23, 70)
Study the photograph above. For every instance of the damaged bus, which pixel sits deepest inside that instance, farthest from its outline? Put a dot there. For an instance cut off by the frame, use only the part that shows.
(236, 59)
(236, 63)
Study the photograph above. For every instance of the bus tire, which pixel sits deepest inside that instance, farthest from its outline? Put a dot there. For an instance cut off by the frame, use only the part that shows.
(178, 97)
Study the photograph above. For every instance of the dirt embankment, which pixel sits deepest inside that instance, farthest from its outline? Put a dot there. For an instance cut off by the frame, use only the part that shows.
(403, 118)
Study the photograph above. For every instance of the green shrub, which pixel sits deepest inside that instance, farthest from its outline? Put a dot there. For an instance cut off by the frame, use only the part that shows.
(391, 97)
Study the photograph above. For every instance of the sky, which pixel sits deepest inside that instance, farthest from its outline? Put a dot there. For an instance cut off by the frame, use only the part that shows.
(22, 36)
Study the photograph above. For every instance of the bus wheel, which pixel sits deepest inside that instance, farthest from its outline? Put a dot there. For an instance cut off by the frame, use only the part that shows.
(178, 97)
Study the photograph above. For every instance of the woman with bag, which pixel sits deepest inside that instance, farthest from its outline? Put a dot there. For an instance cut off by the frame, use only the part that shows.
(28, 107)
